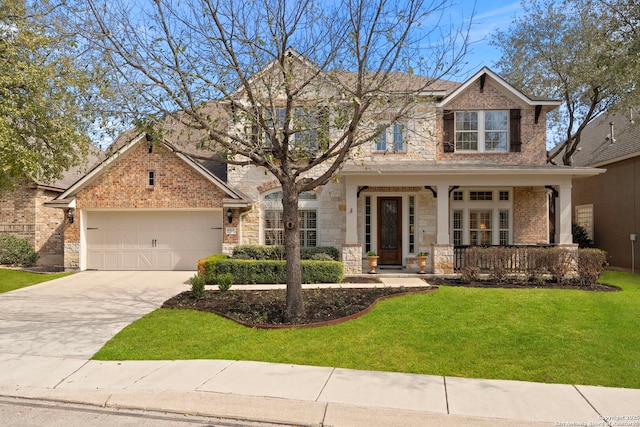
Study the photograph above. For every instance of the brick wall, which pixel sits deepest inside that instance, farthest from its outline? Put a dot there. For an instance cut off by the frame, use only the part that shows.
(533, 135)
(23, 214)
(530, 215)
(125, 184)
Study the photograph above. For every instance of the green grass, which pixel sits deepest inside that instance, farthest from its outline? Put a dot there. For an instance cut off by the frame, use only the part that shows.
(11, 280)
(552, 336)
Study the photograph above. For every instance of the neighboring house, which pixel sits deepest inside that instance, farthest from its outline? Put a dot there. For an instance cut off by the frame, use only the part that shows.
(23, 214)
(467, 168)
(607, 205)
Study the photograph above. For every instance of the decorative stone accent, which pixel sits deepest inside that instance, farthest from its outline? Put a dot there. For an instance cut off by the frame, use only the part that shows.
(352, 258)
(442, 256)
(71, 256)
(573, 248)
(227, 248)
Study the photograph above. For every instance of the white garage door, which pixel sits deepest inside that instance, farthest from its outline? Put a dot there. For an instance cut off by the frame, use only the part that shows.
(152, 240)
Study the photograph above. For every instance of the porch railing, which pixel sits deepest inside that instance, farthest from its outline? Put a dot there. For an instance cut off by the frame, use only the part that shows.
(513, 263)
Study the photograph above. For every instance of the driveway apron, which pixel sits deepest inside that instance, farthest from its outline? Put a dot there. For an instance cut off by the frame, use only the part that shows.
(74, 316)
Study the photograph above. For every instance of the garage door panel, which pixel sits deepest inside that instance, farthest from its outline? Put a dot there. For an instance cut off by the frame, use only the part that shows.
(155, 240)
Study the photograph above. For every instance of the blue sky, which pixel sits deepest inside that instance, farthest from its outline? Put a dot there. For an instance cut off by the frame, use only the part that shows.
(489, 16)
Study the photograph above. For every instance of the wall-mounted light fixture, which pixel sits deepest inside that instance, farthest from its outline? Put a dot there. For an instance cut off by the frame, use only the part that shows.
(229, 215)
(70, 215)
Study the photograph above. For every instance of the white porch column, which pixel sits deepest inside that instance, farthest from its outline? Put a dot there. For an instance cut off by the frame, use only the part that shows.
(352, 214)
(443, 215)
(563, 215)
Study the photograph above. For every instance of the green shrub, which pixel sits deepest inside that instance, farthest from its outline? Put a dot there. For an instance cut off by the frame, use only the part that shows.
(580, 236)
(197, 285)
(224, 281)
(321, 257)
(270, 271)
(311, 252)
(258, 252)
(16, 251)
(591, 263)
(207, 267)
(265, 252)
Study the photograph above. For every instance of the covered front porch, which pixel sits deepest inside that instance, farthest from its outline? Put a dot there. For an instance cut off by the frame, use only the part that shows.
(400, 211)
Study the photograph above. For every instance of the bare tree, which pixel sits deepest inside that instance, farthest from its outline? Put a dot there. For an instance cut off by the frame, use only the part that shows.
(576, 51)
(289, 86)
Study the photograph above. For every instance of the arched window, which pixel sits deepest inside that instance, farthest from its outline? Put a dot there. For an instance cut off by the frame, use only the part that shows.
(272, 225)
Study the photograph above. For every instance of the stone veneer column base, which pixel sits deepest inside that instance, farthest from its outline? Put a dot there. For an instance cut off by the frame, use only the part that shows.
(71, 256)
(227, 248)
(352, 258)
(442, 258)
(572, 248)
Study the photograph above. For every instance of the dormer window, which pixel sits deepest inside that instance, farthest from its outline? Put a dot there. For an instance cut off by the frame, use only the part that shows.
(481, 131)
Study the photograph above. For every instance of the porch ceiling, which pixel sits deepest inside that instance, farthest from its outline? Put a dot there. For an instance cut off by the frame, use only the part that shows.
(433, 173)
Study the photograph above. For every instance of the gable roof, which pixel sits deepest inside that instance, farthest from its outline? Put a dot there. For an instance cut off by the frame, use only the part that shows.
(71, 175)
(127, 141)
(596, 147)
(486, 72)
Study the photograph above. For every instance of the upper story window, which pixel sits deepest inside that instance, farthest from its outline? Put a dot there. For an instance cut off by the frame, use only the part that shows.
(481, 130)
(308, 124)
(392, 138)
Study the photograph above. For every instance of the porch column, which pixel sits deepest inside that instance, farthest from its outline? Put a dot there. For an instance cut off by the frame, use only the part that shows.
(563, 215)
(442, 219)
(351, 249)
(351, 236)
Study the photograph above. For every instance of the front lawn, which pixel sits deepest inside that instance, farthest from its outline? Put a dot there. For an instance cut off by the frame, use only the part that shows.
(11, 280)
(553, 336)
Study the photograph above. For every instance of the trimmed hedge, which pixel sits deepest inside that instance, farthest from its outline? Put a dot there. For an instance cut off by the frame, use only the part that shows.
(264, 252)
(269, 271)
(207, 266)
(536, 264)
(16, 251)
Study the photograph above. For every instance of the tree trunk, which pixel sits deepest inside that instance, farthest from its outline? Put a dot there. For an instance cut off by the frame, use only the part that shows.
(295, 303)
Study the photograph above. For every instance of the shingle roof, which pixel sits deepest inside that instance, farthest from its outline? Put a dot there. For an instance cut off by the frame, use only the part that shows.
(596, 149)
(94, 157)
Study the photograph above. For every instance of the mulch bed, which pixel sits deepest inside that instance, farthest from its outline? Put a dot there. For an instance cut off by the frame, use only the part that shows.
(265, 309)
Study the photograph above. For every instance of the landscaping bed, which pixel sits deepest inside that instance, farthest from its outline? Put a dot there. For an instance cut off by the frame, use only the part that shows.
(265, 309)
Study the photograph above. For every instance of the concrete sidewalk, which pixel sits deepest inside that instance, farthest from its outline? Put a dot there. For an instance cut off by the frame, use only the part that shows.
(312, 396)
(49, 331)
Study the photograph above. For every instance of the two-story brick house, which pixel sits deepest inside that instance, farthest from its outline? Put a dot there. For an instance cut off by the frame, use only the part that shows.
(467, 168)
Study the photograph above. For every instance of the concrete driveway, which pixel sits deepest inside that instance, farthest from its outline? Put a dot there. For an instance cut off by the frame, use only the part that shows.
(74, 316)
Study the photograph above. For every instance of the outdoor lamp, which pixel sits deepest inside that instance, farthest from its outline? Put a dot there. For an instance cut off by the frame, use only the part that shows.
(70, 215)
(229, 215)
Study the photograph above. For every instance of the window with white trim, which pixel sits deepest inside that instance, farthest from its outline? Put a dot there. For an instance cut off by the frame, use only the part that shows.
(481, 131)
(481, 217)
(394, 133)
(584, 218)
(272, 224)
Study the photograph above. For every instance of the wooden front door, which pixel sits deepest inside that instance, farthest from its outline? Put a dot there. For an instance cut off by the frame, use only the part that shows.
(390, 230)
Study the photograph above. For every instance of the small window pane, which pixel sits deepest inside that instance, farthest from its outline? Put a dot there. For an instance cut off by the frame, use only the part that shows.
(480, 195)
(398, 143)
(457, 195)
(381, 140)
